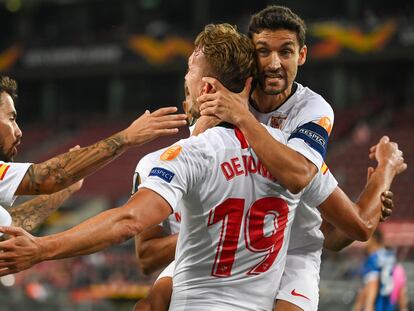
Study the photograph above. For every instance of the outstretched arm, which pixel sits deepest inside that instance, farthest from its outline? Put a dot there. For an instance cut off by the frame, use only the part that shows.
(113, 226)
(155, 249)
(289, 167)
(61, 171)
(32, 213)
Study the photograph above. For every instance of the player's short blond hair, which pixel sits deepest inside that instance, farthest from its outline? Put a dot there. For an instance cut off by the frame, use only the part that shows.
(229, 54)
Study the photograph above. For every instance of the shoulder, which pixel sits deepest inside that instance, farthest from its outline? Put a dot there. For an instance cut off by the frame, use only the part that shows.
(146, 161)
(311, 102)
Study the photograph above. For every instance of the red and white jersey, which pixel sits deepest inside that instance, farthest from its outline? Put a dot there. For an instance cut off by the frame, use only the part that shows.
(171, 225)
(235, 221)
(11, 175)
(298, 114)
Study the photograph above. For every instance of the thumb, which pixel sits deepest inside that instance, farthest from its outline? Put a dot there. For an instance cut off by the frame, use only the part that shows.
(12, 231)
(370, 172)
(214, 82)
(247, 86)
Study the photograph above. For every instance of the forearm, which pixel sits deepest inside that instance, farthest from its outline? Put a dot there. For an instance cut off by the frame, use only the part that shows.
(157, 253)
(30, 214)
(369, 203)
(99, 232)
(65, 169)
(335, 240)
(289, 167)
(356, 220)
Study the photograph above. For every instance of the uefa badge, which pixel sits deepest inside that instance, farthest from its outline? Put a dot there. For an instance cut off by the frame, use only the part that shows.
(277, 120)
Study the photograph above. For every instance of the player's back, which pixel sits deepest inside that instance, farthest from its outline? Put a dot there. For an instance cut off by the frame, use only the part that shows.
(235, 220)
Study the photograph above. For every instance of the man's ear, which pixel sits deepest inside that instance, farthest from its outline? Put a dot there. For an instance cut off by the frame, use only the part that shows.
(207, 88)
(302, 55)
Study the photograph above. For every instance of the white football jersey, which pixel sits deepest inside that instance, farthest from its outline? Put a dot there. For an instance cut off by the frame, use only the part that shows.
(306, 235)
(11, 175)
(172, 224)
(302, 107)
(235, 221)
(306, 118)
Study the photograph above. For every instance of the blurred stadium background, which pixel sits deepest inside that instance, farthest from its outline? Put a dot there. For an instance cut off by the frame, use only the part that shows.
(86, 68)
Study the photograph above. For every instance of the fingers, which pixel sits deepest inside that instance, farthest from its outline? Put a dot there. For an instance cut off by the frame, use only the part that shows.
(402, 168)
(163, 111)
(370, 171)
(214, 82)
(211, 111)
(8, 271)
(13, 231)
(384, 139)
(247, 86)
(388, 194)
(385, 214)
(206, 98)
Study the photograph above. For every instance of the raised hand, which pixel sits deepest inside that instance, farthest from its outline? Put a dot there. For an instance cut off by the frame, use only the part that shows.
(224, 104)
(149, 126)
(386, 152)
(20, 252)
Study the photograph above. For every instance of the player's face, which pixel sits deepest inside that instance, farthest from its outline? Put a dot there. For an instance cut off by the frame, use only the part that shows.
(278, 56)
(10, 133)
(196, 65)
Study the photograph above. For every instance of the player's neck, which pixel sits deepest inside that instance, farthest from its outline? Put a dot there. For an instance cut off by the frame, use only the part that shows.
(267, 103)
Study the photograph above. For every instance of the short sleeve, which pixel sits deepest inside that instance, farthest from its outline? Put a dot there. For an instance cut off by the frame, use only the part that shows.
(314, 123)
(168, 272)
(143, 168)
(177, 170)
(320, 188)
(11, 175)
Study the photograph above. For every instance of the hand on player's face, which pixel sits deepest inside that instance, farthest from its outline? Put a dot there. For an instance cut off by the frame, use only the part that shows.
(224, 104)
(18, 253)
(149, 126)
(387, 152)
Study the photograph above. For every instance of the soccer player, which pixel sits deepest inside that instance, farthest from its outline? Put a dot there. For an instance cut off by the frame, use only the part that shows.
(224, 187)
(279, 101)
(61, 171)
(377, 270)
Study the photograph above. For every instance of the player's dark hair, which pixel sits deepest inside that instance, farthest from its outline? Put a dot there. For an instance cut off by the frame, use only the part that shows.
(276, 17)
(229, 54)
(9, 86)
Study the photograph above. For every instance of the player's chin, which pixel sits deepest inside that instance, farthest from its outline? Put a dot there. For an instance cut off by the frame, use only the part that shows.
(274, 88)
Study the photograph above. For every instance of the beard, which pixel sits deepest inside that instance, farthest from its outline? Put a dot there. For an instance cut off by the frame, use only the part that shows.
(270, 89)
(5, 157)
